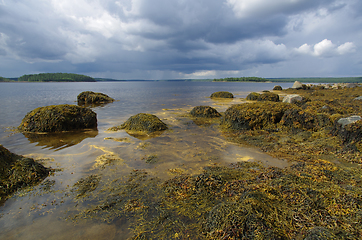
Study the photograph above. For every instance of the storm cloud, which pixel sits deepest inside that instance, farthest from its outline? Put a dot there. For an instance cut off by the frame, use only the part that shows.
(163, 39)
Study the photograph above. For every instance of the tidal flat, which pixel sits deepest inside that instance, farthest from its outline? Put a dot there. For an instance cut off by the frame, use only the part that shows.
(198, 179)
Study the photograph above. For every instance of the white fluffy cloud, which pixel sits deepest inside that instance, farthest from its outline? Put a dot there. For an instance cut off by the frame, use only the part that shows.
(326, 48)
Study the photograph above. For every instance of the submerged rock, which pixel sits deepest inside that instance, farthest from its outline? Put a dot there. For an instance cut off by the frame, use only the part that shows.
(17, 171)
(204, 111)
(222, 95)
(89, 97)
(142, 123)
(58, 118)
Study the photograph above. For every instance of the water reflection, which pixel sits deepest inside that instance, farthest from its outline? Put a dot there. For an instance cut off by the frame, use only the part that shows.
(60, 140)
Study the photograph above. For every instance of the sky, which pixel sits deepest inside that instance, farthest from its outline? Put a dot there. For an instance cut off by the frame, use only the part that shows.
(181, 39)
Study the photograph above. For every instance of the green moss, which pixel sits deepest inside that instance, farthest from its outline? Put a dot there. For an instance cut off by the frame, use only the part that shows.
(253, 96)
(57, 118)
(222, 94)
(142, 123)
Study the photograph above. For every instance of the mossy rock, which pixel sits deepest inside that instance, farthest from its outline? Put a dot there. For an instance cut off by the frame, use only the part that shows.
(254, 115)
(268, 96)
(205, 111)
(89, 97)
(17, 171)
(349, 133)
(58, 118)
(222, 95)
(297, 118)
(253, 96)
(142, 123)
(277, 88)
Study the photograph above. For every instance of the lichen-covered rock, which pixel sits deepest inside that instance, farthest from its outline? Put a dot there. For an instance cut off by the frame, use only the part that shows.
(89, 97)
(269, 96)
(204, 111)
(58, 118)
(253, 115)
(17, 171)
(277, 88)
(222, 95)
(253, 96)
(292, 98)
(142, 123)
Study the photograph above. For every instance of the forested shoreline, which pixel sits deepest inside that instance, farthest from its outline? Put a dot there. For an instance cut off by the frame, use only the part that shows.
(55, 77)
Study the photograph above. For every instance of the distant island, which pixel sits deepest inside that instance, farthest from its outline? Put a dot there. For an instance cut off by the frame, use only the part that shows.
(308, 80)
(55, 77)
(4, 79)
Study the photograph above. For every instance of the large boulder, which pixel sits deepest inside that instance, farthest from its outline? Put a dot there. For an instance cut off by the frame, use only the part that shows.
(58, 118)
(258, 115)
(298, 85)
(142, 123)
(89, 97)
(222, 95)
(292, 98)
(17, 171)
(204, 111)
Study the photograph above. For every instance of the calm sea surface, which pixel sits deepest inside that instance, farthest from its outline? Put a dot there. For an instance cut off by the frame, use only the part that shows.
(47, 211)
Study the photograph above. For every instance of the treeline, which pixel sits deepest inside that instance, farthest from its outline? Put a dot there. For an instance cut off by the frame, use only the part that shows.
(4, 79)
(56, 77)
(241, 79)
(319, 80)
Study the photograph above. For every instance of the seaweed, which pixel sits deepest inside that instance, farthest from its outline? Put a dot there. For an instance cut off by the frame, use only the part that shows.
(17, 172)
(58, 118)
(91, 98)
(142, 123)
(205, 111)
(222, 94)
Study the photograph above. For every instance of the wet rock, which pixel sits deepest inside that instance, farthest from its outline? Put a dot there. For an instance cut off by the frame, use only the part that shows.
(268, 96)
(253, 115)
(89, 97)
(253, 96)
(297, 85)
(17, 171)
(142, 123)
(292, 98)
(58, 118)
(358, 98)
(204, 111)
(222, 95)
(277, 88)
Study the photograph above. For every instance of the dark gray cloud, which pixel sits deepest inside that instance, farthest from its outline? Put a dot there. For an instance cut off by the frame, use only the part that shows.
(135, 38)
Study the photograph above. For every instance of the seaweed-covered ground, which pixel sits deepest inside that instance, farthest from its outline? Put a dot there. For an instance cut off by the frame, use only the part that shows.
(318, 195)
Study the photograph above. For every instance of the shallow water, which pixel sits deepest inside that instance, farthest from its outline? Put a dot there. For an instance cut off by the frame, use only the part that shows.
(187, 147)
